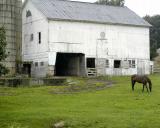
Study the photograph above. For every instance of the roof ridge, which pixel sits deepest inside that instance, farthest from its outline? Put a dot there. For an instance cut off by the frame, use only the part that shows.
(90, 3)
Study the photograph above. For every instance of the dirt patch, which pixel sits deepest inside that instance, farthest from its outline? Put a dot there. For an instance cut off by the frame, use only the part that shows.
(77, 85)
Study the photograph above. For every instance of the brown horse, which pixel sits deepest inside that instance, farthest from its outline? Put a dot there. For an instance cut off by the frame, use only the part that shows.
(141, 79)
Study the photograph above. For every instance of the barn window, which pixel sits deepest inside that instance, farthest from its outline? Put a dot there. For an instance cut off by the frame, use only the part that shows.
(31, 37)
(132, 63)
(117, 63)
(90, 62)
(28, 13)
(36, 64)
(42, 63)
(39, 37)
(107, 63)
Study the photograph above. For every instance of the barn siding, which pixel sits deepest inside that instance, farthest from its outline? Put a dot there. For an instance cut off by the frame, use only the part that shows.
(122, 42)
(32, 51)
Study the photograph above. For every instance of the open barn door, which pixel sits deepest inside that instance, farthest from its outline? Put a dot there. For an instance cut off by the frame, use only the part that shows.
(70, 64)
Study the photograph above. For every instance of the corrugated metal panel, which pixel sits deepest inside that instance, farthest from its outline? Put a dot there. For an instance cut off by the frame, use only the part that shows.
(80, 11)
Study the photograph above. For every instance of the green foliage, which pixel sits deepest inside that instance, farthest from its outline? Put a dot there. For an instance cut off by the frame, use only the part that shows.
(154, 33)
(3, 55)
(3, 70)
(3, 44)
(111, 2)
(114, 107)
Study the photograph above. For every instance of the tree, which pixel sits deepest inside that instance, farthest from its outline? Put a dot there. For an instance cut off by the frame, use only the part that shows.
(154, 33)
(3, 55)
(111, 2)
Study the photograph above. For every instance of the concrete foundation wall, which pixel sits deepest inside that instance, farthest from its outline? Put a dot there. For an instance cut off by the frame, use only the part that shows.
(39, 70)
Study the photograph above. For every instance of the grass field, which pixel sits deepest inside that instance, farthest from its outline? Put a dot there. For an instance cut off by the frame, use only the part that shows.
(113, 107)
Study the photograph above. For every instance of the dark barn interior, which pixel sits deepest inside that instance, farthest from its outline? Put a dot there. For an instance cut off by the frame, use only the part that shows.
(91, 63)
(26, 69)
(70, 64)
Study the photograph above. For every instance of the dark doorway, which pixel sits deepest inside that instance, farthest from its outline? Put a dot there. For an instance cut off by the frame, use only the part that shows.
(117, 63)
(27, 69)
(91, 63)
(70, 64)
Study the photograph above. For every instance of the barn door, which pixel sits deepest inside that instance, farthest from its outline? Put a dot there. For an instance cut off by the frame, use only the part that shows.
(70, 64)
(117, 71)
(101, 67)
(140, 67)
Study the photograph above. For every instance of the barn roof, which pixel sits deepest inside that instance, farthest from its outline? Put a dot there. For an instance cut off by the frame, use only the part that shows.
(88, 12)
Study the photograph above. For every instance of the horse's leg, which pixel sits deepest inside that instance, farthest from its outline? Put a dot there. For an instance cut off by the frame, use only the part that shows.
(150, 86)
(143, 88)
(146, 87)
(133, 83)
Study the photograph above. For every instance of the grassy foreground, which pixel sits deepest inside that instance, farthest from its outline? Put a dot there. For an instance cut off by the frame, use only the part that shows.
(114, 107)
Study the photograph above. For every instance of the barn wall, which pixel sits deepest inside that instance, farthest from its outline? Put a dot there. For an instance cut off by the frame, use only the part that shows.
(32, 51)
(122, 42)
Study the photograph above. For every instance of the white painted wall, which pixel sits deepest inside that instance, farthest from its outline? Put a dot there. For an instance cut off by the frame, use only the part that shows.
(32, 50)
(122, 42)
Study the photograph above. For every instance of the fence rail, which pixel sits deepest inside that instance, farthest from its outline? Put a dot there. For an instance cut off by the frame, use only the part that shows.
(91, 72)
(156, 70)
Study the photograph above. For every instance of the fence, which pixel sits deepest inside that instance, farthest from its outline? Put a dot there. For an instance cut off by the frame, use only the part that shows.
(91, 72)
(156, 70)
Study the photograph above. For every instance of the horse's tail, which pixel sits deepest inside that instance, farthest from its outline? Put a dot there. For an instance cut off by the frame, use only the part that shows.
(150, 84)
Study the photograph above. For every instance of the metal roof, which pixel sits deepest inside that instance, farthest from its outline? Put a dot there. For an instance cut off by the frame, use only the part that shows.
(88, 12)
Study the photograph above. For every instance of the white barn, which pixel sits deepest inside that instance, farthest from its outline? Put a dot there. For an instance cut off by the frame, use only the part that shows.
(76, 38)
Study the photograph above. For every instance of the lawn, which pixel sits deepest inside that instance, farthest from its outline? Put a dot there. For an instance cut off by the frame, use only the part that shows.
(113, 107)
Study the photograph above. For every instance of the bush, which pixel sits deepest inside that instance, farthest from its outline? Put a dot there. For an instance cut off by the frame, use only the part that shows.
(3, 70)
(3, 54)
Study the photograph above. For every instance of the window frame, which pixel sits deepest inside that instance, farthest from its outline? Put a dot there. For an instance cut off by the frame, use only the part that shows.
(41, 63)
(132, 63)
(31, 37)
(28, 13)
(39, 37)
(115, 65)
(36, 64)
(107, 63)
(90, 62)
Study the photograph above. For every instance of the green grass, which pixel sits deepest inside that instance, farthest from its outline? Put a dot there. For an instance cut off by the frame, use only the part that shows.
(114, 107)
